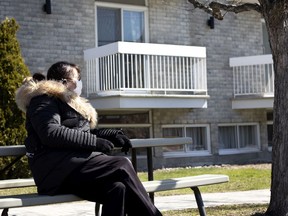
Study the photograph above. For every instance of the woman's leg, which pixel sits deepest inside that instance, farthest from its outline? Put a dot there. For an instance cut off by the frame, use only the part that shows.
(112, 181)
(114, 201)
(137, 202)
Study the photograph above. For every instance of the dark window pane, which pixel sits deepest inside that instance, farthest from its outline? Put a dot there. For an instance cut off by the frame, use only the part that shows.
(124, 118)
(109, 25)
(270, 135)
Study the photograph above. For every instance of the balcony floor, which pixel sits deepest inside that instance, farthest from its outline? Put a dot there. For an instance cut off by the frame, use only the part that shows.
(253, 103)
(148, 102)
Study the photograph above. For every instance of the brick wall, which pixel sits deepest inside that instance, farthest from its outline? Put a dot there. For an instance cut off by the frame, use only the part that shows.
(176, 22)
(70, 29)
(47, 38)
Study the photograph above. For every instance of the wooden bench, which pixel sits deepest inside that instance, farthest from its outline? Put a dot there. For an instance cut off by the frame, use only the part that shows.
(25, 200)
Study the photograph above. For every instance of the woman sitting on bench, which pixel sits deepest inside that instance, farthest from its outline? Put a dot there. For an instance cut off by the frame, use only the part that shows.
(67, 154)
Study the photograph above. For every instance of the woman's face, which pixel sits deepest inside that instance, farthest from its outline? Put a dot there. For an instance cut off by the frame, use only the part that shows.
(72, 80)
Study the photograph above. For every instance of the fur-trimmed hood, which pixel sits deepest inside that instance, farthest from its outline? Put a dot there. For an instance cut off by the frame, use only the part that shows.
(30, 89)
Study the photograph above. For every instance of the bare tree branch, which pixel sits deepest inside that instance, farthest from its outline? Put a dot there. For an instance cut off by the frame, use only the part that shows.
(214, 8)
(201, 6)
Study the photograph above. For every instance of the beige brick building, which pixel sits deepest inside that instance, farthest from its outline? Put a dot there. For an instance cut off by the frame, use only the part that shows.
(157, 69)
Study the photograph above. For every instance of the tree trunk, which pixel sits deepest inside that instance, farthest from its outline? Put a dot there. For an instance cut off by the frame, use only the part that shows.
(276, 16)
(275, 13)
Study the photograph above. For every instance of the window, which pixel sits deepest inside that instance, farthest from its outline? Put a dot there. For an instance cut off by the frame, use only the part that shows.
(133, 24)
(270, 134)
(170, 133)
(241, 137)
(120, 23)
(109, 28)
(198, 133)
(128, 2)
(136, 125)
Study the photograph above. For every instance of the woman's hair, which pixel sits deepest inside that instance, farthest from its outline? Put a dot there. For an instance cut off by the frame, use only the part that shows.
(62, 70)
(38, 77)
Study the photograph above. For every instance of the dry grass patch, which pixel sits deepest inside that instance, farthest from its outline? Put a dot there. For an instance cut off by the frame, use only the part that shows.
(234, 210)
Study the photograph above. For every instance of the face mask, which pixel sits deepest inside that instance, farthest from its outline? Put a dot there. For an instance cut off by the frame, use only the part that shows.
(78, 89)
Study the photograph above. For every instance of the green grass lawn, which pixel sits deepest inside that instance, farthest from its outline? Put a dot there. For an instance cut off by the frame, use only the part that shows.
(242, 178)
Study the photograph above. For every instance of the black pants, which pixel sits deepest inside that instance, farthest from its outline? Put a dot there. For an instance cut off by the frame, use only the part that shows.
(113, 182)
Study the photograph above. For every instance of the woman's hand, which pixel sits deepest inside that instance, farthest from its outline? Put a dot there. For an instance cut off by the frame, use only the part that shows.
(116, 136)
(104, 145)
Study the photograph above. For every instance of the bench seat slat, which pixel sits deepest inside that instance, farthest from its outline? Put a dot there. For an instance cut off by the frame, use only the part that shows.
(34, 199)
(184, 182)
(16, 183)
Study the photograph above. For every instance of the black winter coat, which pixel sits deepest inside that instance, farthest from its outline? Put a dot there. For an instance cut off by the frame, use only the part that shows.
(58, 123)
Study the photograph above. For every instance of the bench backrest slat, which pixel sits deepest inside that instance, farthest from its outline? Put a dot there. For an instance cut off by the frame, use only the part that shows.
(14, 150)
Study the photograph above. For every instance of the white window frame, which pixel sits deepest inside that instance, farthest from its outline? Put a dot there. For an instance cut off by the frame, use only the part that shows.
(123, 7)
(241, 150)
(185, 152)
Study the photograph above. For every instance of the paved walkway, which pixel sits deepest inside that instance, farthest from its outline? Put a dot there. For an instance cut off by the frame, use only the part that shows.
(84, 208)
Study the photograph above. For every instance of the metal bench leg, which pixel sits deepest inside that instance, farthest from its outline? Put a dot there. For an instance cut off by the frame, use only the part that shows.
(97, 209)
(199, 201)
(5, 212)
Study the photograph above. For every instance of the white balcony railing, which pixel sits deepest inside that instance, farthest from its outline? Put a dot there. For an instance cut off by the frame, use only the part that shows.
(253, 75)
(146, 69)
